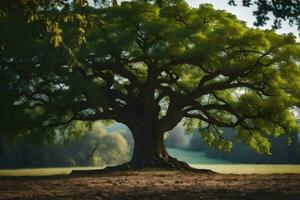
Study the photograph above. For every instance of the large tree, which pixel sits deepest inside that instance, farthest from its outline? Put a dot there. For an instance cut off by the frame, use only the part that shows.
(149, 67)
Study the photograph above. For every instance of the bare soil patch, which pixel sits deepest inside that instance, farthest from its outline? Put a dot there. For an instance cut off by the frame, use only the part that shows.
(153, 184)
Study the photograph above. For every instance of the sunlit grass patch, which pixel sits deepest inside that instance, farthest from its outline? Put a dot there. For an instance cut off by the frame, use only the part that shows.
(251, 168)
(41, 171)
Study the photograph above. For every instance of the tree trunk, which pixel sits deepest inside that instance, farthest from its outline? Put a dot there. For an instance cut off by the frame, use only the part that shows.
(149, 150)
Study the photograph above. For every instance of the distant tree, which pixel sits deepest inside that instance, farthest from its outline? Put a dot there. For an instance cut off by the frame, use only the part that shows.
(281, 10)
(149, 67)
(177, 138)
(281, 153)
(196, 143)
(95, 148)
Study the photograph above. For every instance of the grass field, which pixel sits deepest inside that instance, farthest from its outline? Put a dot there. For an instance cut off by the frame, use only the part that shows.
(221, 168)
(42, 171)
(196, 159)
(251, 168)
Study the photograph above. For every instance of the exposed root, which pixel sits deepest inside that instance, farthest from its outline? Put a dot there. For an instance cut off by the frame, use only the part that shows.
(108, 169)
(168, 162)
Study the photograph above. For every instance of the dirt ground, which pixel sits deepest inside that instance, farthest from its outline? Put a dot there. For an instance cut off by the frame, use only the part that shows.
(153, 184)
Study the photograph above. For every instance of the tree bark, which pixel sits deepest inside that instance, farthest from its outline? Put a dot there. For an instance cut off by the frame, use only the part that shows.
(149, 150)
(148, 147)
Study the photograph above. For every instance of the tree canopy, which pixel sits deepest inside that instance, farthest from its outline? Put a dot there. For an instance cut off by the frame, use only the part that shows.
(149, 67)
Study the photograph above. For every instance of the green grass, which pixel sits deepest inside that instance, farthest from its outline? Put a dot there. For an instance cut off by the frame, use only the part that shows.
(221, 168)
(251, 168)
(41, 171)
(196, 159)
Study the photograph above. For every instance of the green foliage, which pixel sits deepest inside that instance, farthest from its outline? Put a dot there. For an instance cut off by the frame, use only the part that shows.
(213, 138)
(190, 124)
(138, 62)
(255, 140)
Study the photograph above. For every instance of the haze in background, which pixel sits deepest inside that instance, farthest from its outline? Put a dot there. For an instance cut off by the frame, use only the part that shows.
(113, 145)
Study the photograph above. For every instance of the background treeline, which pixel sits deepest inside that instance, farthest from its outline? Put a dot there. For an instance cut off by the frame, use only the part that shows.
(241, 153)
(98, 147)
(114, 145)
